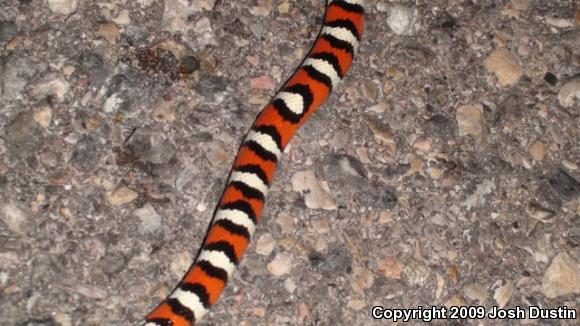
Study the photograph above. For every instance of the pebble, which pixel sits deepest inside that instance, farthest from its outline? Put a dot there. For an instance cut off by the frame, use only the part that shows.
(121, 196)
(569, 92)
(503, 294)
(560, 22)
(14, 214)
(281, 265)
(180, 263)
(63, 7)
(476, 292)
(150, 145)
(469, 120)
(362, 279)
(23, 135)
(175, 15)
(43, 115)
(165, 111)
(203, 28)
(109, 31)
(440, 126)
(521, 5)
(384, 135)
(8, 30)
(505, 65)
(401, 20)
(87, 153)
(570, 165)
(122, 18)
(286, 222)
(316, 193)
(538, 151)
(185, 178)
(290, 285)
(455, 301)
(424, 145)
(52, 86)
(343, 168)
(265, 244)
(562, 277)
(551, 79)
(12, 76)
(284, 8)
(150, 219)
(262, 82)
(199, 5)
(391, 268)
(416, 273)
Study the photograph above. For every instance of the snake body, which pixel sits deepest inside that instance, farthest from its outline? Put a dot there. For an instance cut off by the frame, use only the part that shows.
(241, 203)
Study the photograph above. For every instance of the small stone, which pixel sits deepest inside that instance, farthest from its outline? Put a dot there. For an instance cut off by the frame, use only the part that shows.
(263, 9)
(286, 222)
(265, 244)
(122, 18)
(262, 82)
(569, 92)
(63, 7)
(385, 217)
(369, 90)
(362, 279)
(476, 292)
(150, 219)
(284, 8)
(401, 19)
(424, 145)
(280, 265)
(505, 66)
(455, 301)
(384, 135)
(52, 86)
(469, 120)
(68, 70)
(180, 263)
(290, 285)
(391, 268)
(570, 165)
(521, 5)
(441, 127)
(8, 30)
(416, 273)
(538, 151)
(121, 196)
(550, 78)
(356, 304)
(15, 216)
(453, 275)
(560, 22)
(62, 319)
(185, 178)
(165, 111)
(188, 65)
(49, 159)
(43, 116)
(562, 277)
(316, 193)
(343, 169)
(109, 31)
(503, 294)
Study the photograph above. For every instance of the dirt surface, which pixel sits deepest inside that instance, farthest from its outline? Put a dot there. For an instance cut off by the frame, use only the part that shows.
(443, 171)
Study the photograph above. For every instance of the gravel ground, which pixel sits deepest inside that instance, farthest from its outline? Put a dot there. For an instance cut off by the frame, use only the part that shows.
(443, 171)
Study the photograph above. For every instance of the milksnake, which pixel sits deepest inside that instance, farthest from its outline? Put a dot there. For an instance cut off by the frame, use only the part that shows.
(241, 203)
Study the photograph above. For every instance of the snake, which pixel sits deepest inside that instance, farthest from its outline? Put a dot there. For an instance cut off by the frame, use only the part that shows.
(240, 206)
